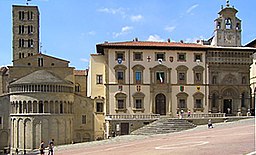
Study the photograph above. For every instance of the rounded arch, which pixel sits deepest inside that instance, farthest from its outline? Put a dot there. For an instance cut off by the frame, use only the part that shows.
(182, 94)
(121, 95)
(182, 68)
(138, 94)
(138, 67)
(120, 67)
(198, 95)
(160, 67)
(198, 68)
(229, 92)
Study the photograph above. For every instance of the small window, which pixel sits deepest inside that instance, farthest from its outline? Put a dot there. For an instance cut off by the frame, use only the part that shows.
(120, 76)
(228, 23)
(83, 119)
(29, 64)
(182, 76)
(30, 29)
(214, 80)
(30, 15)
(40, 62)
(120, 56)
(198, 57)
(61, 108)
(198, 103)
(160, 77)
(244, 80)
(21, 15)
(181, 56)
(198, 77)
(41, 107)
(160, 56)
(138, 103)
(99, 107)
(120, 103)
(77, 88)
(99, 79)
(218, 25)
(1, 122)
(237, 26)
(30, 43)
(138, 77)
(52, 64)
(182, 103)
(21, 29)
(137, 56)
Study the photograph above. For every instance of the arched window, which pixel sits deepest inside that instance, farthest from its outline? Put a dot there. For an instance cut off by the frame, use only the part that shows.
(41, 107)
(61, 108)
(77, 87)
(243, 100)
(228, 23)
(213, 100)
(120, 73)
(120, 101)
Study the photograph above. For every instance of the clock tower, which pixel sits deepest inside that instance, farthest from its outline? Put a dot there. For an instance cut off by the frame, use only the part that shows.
(228, 28)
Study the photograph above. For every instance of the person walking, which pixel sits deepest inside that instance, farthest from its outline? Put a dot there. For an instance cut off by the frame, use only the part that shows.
(50, 146)
(210, 123)
(41, 148)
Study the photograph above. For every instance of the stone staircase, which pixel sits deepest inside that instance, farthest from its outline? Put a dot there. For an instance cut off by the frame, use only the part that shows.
(163, 126)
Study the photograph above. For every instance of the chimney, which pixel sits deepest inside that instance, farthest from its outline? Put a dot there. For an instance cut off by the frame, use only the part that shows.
(168, 40)
(181, 41)
(135, 39)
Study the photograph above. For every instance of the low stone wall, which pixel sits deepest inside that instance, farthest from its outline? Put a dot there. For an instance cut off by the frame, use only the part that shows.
(202, 121)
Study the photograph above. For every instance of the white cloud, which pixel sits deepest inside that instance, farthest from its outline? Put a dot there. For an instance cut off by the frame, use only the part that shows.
(192, 8)
(170, 28)
(112, 10)
(136, 18)
(125, 30)
(154, 37)
(92, 33)
(194, 40)
(84, 60)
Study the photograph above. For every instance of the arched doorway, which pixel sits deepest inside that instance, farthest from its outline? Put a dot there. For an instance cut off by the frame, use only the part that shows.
(160, 102)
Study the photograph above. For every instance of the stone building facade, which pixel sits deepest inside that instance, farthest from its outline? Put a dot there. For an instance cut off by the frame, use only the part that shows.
(140, 79)
(253, 78)
(41, 97)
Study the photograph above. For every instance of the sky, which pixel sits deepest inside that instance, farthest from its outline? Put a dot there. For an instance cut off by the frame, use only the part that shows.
(70, 29)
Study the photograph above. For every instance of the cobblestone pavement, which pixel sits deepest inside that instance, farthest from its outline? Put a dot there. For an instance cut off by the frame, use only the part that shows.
(232, 138)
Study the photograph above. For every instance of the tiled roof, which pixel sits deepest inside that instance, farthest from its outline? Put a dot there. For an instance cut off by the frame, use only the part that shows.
(153, 44)
(80, 72)
(39, 77)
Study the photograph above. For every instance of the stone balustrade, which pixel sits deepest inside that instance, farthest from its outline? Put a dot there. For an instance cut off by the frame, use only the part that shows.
(204, 115)
(133, 117)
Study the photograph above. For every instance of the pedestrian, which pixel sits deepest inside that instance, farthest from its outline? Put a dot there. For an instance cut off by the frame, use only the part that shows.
(210, 123)
(17, 151)
(41, 148)
(189, 113)
(50, 146)
(178, 113)
(182, 113)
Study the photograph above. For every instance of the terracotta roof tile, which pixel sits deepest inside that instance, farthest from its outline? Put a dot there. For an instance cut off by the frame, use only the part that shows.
(80, 72)
(153, 44)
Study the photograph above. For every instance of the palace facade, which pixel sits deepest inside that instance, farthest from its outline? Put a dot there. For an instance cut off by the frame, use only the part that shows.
(164, 78)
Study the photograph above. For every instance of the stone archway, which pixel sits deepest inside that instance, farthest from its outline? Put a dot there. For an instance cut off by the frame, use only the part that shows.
(160, 104)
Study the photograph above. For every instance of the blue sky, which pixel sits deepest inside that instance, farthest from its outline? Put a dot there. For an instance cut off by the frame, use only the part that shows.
(70, 29)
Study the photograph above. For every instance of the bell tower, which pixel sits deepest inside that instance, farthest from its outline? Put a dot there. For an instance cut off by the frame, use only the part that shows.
(25, 31)
(227, 28)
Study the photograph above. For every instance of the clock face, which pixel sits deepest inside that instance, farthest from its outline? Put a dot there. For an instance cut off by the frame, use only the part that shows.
(229, 38)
